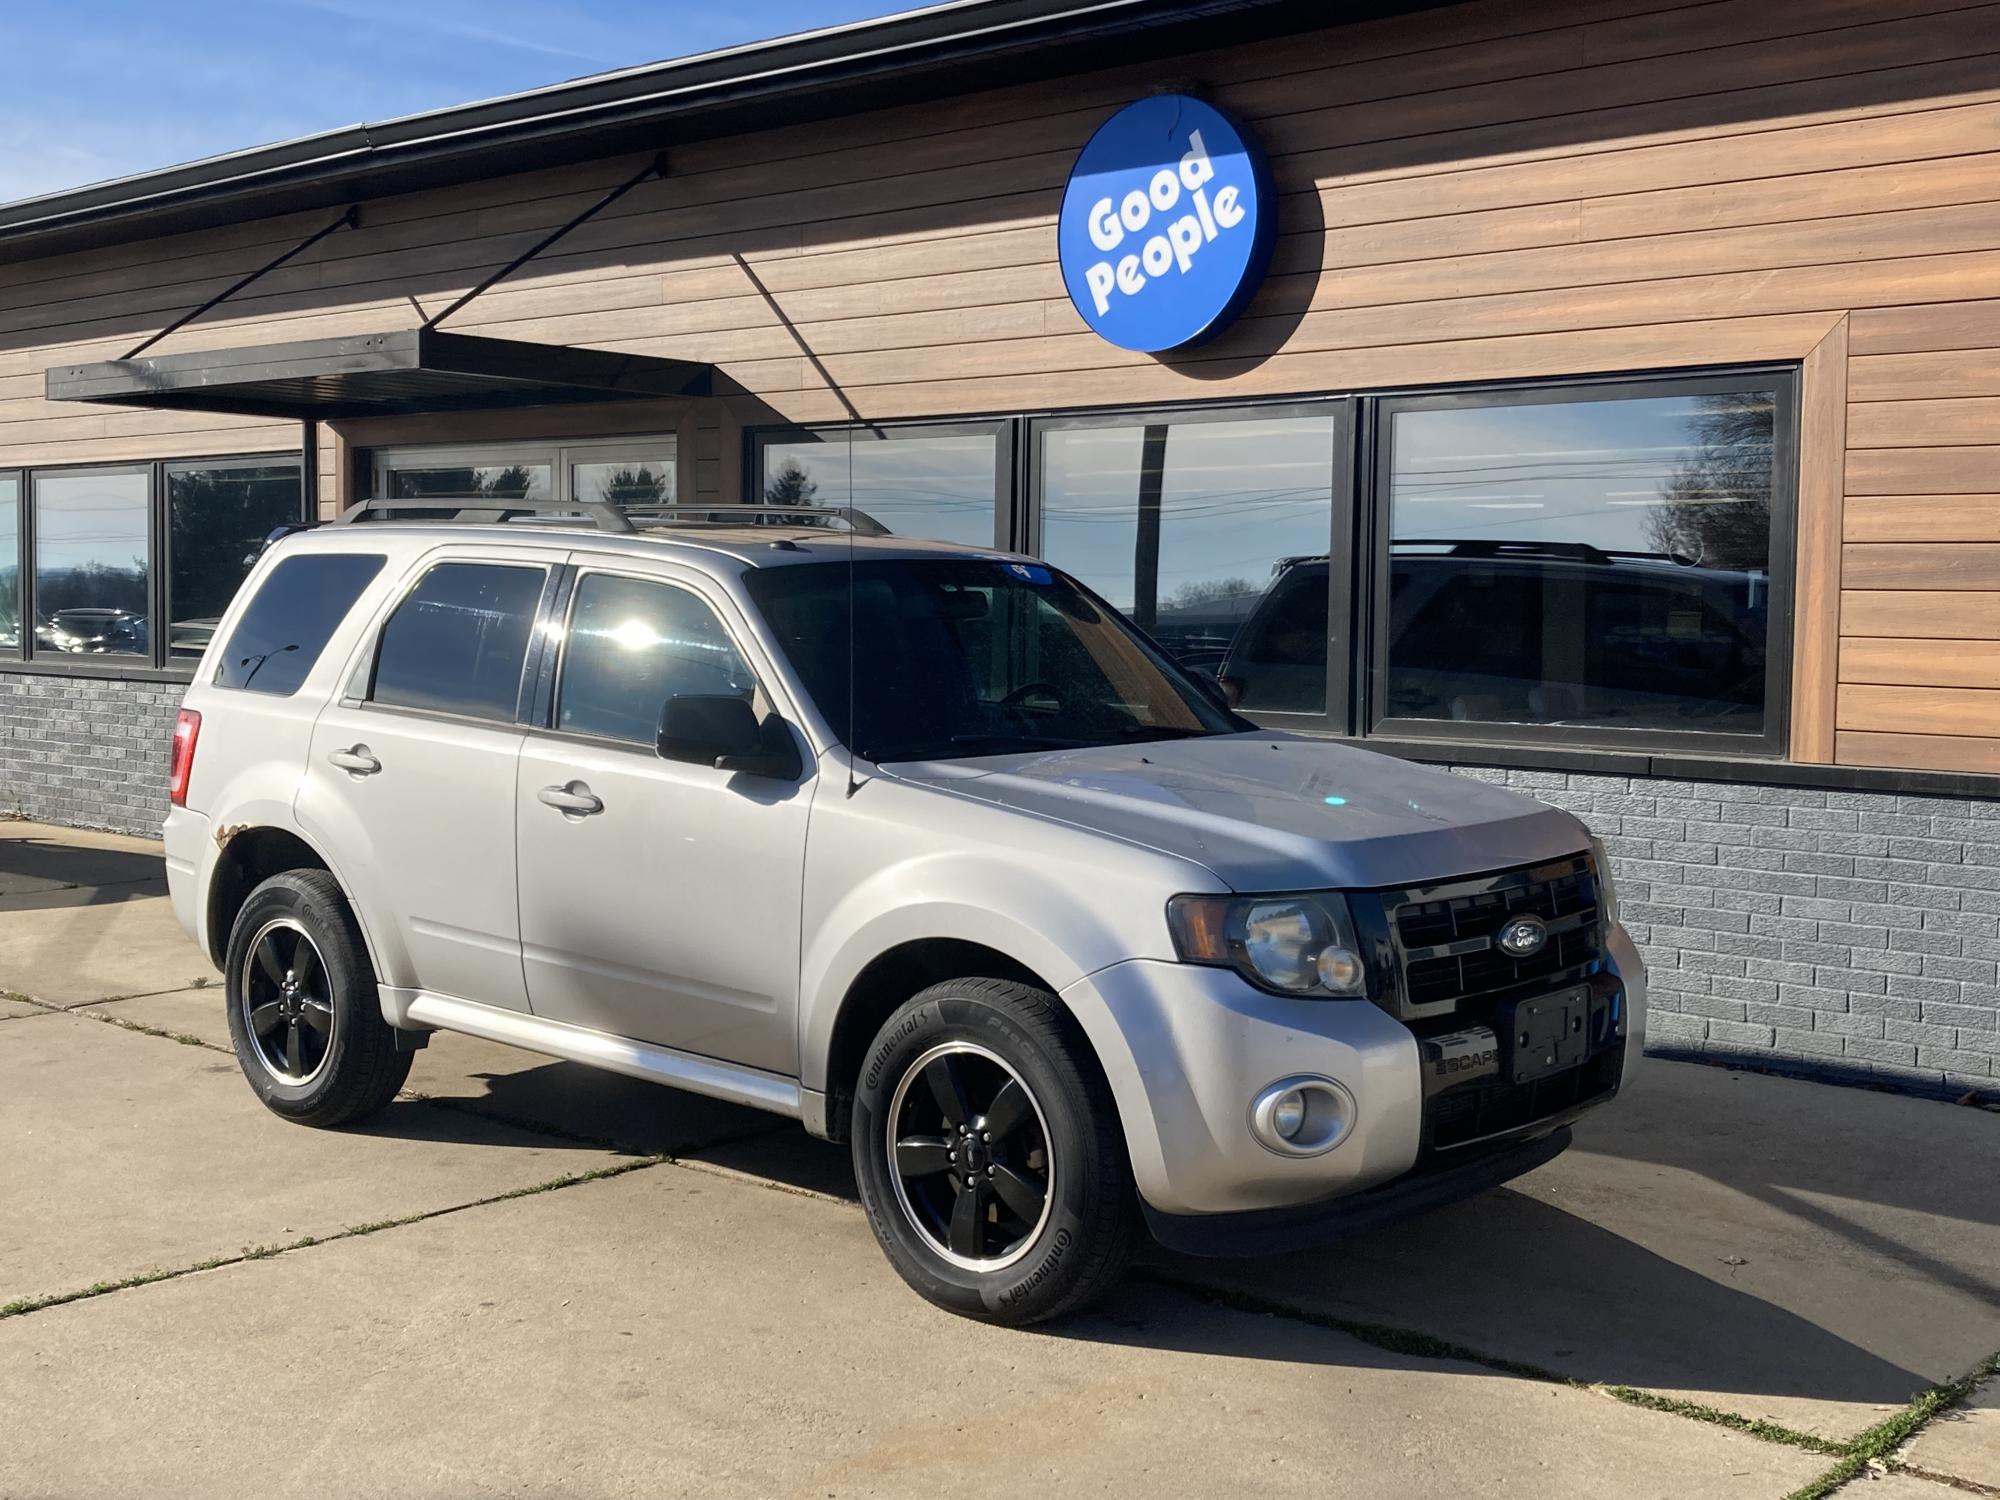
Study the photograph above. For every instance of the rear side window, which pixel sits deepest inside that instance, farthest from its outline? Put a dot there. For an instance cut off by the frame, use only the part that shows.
(455, 645)
(286, 626)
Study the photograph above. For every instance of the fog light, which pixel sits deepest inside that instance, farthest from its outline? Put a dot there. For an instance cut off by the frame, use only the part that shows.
(1302, 1116)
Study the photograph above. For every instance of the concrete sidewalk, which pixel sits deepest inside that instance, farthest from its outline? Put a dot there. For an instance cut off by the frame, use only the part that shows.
(528, 1276)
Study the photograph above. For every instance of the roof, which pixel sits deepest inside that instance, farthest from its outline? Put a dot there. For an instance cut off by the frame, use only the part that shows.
(935, 52)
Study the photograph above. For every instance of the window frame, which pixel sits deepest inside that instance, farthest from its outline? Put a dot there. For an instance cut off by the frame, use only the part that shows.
(19, 652)
(559, 616)
(1005, 432)
(359, 678)
(1372, 575)
(157, 665)
(1335, 718)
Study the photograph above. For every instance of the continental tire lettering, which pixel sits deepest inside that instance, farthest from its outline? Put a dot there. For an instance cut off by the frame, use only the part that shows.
(1058, 1248)
(889, 1044)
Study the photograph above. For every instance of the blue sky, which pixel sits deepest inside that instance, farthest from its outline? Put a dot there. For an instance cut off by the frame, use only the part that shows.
(100, 88)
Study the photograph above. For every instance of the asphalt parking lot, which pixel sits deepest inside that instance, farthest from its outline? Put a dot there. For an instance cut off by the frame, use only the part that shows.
(528, 1278)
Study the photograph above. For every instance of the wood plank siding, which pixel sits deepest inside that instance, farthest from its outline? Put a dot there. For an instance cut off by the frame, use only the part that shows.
(1512, 188)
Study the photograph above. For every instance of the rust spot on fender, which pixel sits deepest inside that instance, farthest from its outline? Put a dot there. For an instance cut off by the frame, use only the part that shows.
(227, 832)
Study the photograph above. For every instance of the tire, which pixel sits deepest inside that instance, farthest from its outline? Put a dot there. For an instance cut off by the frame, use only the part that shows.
(304, 1015)
(1007, 1257)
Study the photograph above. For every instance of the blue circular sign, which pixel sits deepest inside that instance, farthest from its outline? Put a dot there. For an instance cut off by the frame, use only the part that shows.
(1166, 224)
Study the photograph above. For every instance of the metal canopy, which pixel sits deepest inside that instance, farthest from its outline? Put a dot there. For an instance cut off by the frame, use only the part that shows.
(379, 374)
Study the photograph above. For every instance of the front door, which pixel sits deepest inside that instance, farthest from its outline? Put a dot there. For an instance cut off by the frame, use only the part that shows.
(659, 900)
(410, 783)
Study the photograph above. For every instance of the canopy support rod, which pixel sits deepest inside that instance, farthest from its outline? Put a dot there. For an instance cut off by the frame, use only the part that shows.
(346, 221)
(657, 167)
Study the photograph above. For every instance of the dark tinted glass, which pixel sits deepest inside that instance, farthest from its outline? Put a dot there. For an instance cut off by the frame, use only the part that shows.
(1194, 528)
(217, 520)
(965, 658)
(90, 564)
(915, 482)
(631, 646)
(286, 626)
(456, 644)
(10, 565)
(1600, 563)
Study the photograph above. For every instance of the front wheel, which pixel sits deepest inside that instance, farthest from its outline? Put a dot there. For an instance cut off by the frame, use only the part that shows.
(989, 1157)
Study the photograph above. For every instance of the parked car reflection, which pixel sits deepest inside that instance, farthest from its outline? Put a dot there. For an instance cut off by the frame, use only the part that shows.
(1528, 633)
(92, 631)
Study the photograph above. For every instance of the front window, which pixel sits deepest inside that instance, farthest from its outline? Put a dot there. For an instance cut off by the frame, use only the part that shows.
(940, 482)
(1594, 564)
(10, 565)
(636, 472)
(218, 517)
(965, 657)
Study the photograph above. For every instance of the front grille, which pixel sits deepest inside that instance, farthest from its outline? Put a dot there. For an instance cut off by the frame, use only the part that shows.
(1443, 936)
(1490, 1107)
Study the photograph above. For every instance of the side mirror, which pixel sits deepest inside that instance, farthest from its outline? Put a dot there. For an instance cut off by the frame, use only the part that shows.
(720, 730)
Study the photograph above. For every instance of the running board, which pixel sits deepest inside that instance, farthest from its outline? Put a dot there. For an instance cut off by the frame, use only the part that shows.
(596, 1049)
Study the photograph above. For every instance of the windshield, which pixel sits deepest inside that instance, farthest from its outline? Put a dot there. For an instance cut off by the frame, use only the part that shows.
(966, 656)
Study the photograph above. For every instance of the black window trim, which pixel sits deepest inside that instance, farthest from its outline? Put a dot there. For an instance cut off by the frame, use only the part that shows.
(362, 674)
(1371, 581)
(554, 630)
(1005, 431)
(157, 665)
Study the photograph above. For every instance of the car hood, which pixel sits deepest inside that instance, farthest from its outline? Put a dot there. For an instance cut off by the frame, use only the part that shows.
(1270, 812)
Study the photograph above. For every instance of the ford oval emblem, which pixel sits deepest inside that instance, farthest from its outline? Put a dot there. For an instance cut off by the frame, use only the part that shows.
(1522, 936)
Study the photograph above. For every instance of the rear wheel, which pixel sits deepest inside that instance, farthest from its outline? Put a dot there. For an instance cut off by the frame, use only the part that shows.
(303, 1012)
(989, 1157)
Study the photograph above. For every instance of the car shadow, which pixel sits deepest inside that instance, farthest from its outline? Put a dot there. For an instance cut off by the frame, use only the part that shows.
(1509, 1275)
(37, 874)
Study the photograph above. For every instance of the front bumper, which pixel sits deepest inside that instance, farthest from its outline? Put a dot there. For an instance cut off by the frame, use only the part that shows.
(1187, 1049)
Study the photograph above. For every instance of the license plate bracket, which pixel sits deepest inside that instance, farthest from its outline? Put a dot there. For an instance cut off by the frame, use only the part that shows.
(1546, 1034)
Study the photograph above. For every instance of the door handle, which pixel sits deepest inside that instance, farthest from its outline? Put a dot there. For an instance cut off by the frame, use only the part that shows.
(357, 759)
(574, 800)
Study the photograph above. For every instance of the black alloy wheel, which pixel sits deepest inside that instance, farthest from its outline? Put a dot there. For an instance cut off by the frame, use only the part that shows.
(974, 1169)
(286, 1004)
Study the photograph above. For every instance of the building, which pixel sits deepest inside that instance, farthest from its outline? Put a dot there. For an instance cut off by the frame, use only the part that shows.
(1615, 409)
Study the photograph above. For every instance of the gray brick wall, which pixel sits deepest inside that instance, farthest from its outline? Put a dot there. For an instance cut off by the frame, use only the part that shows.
(85, 751)
(1844, 934)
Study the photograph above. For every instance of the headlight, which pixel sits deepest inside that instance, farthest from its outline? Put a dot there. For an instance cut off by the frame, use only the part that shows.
(1297, 945)
(1607, 894)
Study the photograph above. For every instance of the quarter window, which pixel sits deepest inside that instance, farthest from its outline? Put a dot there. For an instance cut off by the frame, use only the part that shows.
(457, 642)
(286, 626)
(632, 645)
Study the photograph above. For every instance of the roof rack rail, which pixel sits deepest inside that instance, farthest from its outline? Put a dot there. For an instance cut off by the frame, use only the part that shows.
(677, 513)
(623, 520)
(606, 516)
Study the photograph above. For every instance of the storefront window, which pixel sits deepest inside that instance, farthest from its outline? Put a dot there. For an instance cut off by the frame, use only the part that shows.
(501, 480)
(638, 479)
(217, 520)
(1212, 534)
(10, 565)
(1594, 564)
(943, 483)
(91, 546)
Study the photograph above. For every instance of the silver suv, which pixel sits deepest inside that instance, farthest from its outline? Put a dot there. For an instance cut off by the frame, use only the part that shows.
(922, 845)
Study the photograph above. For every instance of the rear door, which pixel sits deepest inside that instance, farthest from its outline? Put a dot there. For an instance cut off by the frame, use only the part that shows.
(410, 780)
(659, 900)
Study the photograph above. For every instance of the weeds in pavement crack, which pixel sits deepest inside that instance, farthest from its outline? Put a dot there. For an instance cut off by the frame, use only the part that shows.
(1770, 1432)
(1877, 1446)
(25, 1305)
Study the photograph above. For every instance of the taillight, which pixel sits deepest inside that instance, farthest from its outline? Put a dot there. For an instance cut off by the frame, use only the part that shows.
(187, 729)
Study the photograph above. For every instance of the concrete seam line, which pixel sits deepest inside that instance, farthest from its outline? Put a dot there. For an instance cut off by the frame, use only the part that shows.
(750, 1179)
(22, 1306)
(1935, 1476)
(1694, 1411)
(1877, 1445)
